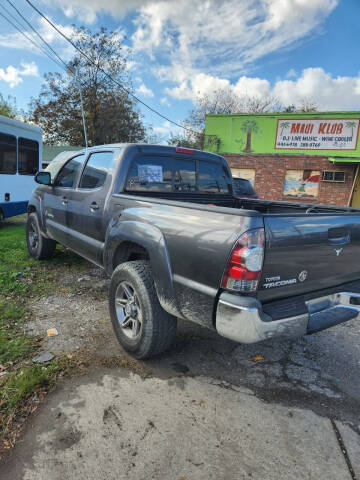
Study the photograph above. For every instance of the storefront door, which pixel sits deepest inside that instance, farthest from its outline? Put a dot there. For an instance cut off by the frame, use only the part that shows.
(356, 195)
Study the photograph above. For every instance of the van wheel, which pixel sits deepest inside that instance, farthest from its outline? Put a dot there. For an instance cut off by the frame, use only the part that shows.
(140, 324)
(2, 216)
(38, 246)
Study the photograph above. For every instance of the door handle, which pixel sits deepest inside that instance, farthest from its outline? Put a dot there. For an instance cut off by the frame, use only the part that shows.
(65, 201)
(340, 240)
(94, 206)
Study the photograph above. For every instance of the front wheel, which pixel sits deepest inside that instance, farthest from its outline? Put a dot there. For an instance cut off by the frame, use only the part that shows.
(38, 246)
(140, 324)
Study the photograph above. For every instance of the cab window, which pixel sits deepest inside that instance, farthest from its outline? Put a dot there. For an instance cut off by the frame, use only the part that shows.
(68, 174)
(99, 165)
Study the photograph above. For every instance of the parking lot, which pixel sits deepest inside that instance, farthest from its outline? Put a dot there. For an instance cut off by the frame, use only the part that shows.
(210, 408)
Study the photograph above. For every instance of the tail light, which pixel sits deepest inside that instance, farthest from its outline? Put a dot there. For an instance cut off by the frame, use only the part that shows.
(243, 269)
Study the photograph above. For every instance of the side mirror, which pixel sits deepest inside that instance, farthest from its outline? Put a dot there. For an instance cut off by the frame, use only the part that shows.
(44, 178)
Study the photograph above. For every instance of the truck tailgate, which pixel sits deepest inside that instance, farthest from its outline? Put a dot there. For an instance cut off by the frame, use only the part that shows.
(309, 252)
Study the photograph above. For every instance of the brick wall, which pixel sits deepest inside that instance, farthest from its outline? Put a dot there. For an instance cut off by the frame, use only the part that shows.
(270, 176)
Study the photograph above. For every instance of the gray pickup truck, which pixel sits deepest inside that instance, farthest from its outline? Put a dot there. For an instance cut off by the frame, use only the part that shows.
(164, 224)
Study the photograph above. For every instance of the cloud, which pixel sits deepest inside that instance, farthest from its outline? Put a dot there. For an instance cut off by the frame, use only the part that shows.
(291, 73)
(143, 90)
(225, 37)
(165, 101)
(166, 129)
(13, 76)
(329, 92)
(18, 41)
(219, 38)
(87, 10)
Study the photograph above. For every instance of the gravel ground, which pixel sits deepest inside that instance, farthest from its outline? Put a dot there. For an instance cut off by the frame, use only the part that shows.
(293, 413)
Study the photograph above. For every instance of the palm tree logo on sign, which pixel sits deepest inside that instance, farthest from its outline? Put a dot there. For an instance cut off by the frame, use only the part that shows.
(351, 125)
(283, 126)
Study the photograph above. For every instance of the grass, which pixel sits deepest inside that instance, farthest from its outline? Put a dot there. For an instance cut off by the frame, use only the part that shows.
(23, 279)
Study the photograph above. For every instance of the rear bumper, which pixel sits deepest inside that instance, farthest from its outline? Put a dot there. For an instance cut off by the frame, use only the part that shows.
(243, 320)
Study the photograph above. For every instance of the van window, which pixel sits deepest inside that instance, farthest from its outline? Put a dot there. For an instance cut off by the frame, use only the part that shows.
(150, 174)
(96, 170)
(28, 156)
(7, 154)
(67, 175)
(213, 178)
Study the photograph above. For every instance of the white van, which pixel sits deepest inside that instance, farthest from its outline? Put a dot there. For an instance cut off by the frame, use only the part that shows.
(20, 154)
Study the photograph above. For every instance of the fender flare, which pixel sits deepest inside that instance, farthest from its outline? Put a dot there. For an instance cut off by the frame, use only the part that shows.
(153, 241)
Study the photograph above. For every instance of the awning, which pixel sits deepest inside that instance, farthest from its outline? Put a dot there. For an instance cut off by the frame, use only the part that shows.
(344, 160)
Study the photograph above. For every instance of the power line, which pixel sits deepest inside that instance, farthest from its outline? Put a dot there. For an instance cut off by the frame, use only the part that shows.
(29, 38)
(108, 75)
(37, 33)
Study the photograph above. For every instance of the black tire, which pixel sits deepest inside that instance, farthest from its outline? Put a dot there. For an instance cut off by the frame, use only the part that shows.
(151, 330)
(2, 216)
(38, 246)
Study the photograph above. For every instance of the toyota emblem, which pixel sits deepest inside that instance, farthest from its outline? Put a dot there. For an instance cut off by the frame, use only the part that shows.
(302, 276)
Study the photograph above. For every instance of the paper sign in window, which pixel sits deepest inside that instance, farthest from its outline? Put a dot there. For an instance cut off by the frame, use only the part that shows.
(150, 173)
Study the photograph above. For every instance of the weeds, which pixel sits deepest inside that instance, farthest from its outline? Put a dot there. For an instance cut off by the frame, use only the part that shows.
(22, 279)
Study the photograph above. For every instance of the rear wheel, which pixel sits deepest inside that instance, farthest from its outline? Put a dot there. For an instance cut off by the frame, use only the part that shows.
(140, 324)
(38, 246)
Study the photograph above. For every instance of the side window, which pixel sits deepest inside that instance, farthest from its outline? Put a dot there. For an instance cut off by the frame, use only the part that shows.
(67, 175)
(150, 174)
(213, 178)
(184, 175)
(7, 154)
(28, 156)
(96, 170)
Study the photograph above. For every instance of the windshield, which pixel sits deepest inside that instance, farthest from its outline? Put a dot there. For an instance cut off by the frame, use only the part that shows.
(243, 187)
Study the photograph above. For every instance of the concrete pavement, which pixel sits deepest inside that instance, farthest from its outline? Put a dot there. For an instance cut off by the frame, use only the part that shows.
(113, 424)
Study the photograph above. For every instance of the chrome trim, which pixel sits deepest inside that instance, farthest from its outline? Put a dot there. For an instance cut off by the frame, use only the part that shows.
(247, 324)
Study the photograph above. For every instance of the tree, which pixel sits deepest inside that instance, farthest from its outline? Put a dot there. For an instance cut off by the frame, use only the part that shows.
(8, 107)
(222, 101)
(110, 112)
(226, 101)
(249, 127)
(308, 105)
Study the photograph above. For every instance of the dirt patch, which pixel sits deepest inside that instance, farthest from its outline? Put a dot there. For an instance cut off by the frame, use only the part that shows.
(79, 314)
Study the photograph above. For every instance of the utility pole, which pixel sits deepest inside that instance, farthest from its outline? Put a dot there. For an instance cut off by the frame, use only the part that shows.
(73, 73)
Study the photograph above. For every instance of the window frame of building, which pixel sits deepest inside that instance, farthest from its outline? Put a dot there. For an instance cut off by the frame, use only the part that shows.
(333, 180)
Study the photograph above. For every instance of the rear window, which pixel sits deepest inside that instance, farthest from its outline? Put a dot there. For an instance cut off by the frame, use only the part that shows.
(243, 187)
(7, 154)
(167, 174)
(213, 178)
(184, 175)
(153, 174)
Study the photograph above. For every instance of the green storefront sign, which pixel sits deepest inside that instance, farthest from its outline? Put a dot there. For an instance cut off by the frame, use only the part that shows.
(334, 134)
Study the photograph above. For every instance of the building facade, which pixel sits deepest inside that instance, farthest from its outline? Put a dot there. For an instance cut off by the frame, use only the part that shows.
(312, 158)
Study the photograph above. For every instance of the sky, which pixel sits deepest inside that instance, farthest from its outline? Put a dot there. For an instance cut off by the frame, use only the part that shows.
(181, 49)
